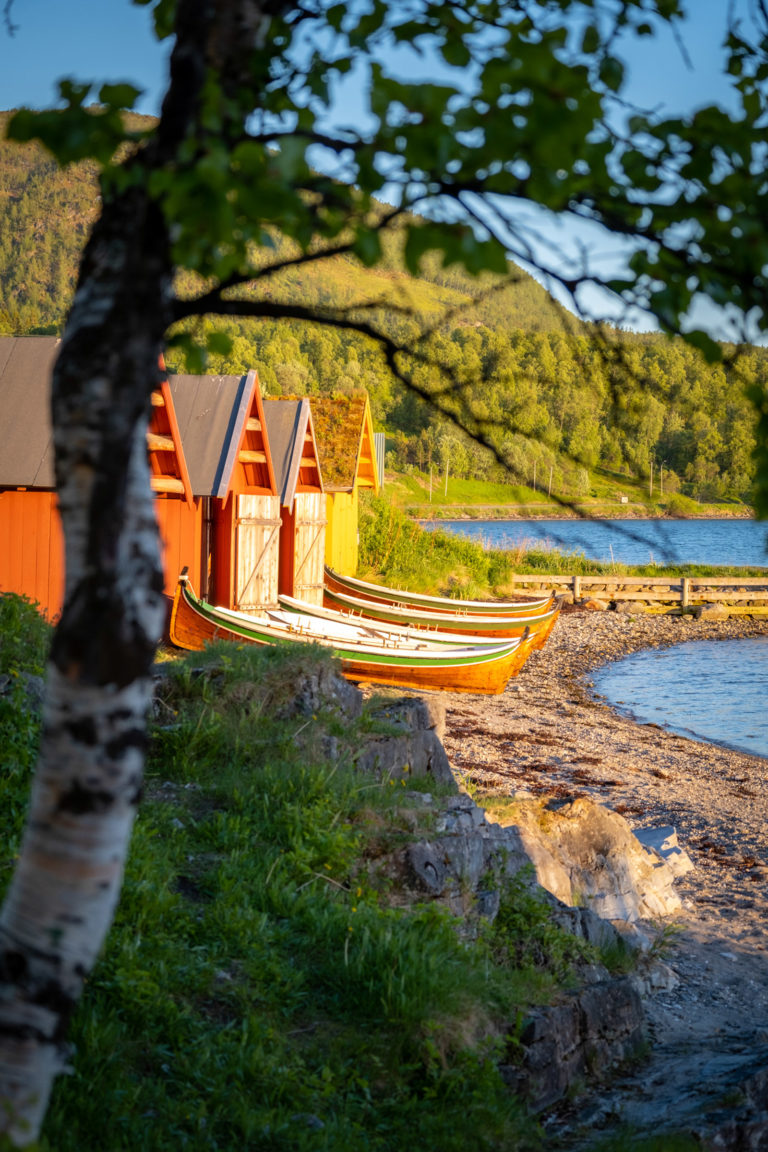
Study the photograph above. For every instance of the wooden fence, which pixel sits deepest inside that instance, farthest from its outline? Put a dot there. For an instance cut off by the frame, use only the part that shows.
(741, 595)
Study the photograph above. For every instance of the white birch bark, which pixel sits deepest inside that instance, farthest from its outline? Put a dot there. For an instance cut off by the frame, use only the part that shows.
(63, 895)
(88, 781)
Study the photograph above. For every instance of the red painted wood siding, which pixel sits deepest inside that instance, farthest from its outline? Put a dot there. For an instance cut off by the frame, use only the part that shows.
(32, 549)
(181, 535)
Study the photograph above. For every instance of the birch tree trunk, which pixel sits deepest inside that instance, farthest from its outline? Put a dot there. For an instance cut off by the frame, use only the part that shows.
(88, 781)
(89, 775)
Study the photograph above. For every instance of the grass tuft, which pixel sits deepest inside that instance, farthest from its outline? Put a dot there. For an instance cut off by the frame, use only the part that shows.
(257, 990)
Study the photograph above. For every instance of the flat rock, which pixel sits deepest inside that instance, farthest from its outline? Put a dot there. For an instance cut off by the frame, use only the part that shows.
(585, 854)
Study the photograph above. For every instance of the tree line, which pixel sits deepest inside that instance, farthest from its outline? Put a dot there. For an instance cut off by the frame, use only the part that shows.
(555, 396)
(555, 404)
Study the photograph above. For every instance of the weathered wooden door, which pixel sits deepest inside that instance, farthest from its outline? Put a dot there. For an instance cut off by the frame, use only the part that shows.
(310, 522)
(257, 537)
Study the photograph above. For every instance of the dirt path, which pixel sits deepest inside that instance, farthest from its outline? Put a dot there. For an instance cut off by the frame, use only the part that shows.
(549, 734)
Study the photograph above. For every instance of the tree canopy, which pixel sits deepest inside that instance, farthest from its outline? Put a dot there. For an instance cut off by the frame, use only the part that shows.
(522, 105)
(549, 388)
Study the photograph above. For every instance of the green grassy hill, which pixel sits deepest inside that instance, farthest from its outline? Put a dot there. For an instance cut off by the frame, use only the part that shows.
(564, 406)
(47, 214)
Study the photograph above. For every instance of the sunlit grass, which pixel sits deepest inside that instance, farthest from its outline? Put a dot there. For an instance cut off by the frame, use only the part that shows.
(257, 989)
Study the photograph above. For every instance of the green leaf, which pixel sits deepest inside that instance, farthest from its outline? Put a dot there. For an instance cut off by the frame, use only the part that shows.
(612, 73)
(119, 95)
(456, 53)
(367, 246)
(219, 343)
(194, 355)
(590, 41)
(73, 93)
(335, 16)
(163, 16)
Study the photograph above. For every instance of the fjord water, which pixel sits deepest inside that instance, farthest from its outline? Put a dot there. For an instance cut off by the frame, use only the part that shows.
(715, 690)
(736, 542)
(711, 690)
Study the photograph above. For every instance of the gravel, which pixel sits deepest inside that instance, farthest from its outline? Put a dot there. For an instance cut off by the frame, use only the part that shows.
(550, 734)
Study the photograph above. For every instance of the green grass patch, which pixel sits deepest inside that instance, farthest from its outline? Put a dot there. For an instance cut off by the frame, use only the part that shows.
(605, 493)
(257, 990)
(24, 636)
(412, 490)
(24, 642)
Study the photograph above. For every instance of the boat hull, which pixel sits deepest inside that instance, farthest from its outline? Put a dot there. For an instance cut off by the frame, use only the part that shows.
(494, 627)
(364, 590)
(485, 670)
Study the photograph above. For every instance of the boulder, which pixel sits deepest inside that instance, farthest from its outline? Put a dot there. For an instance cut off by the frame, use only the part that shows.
(594, 605)
(454, 857)
(587, 855)
(711, 612)
(412, 745)
(663, 841)
(629, 607)
(584, 1036)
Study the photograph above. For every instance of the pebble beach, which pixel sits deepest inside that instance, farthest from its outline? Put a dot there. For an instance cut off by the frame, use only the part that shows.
(550, 734)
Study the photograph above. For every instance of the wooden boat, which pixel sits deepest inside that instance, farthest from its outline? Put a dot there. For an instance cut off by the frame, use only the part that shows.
(471, 626)
(384, 659)
(432, 633)
(363, 590)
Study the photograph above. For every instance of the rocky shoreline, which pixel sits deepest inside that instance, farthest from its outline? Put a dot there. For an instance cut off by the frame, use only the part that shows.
(549, 734)
(492, 512)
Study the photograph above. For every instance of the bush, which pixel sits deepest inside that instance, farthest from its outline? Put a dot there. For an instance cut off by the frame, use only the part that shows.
(24, 635)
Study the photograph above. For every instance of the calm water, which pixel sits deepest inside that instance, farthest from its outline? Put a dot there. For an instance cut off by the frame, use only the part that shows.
(738, 542)
(714, 690)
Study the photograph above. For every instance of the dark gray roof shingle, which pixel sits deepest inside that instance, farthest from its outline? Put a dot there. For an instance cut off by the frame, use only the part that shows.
(208, 413)
(26, 438)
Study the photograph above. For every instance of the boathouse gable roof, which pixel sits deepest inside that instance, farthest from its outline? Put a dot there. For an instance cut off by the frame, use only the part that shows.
(293, 448)
(167, 463)
(221, 422)
(206, 412)
(344, 431)
(26, 436)
(26, 433)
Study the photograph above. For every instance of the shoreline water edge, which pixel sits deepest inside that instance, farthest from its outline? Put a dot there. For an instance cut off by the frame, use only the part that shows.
(552, 736)
(426, 513)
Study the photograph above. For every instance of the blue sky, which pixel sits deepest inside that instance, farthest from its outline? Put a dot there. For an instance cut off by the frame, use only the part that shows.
(87, 39)
(112, 40)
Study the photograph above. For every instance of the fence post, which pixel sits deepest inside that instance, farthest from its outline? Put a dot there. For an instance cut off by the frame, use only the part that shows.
(576, 588)
(685, 592)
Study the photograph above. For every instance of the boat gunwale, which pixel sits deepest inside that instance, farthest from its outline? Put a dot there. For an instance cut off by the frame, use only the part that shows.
(458, 623)
(462, 656)
(440, 604)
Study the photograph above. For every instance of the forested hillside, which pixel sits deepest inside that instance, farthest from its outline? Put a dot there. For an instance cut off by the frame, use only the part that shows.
(554, 396)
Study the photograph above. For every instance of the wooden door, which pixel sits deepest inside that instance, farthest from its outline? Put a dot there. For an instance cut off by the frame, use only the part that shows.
(310, 522)
(257, 538)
